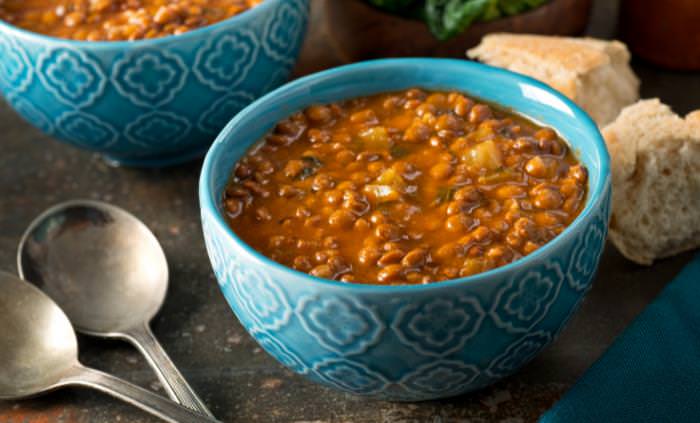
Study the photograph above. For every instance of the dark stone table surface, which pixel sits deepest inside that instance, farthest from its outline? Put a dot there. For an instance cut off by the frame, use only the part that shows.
(232, 374)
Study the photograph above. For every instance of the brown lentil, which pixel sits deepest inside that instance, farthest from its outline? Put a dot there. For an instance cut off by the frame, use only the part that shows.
(116, 20)
(404, 188)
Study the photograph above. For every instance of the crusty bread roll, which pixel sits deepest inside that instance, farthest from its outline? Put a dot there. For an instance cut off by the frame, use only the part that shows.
(656, 181)
(593, 73)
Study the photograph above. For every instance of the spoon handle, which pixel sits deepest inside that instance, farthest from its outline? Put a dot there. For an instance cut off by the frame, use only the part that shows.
(134, 395)
(173, 382)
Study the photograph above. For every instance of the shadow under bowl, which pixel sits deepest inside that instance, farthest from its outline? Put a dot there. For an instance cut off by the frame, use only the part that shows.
(419, 342)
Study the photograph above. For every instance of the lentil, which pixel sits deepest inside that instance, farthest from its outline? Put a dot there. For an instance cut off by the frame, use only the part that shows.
(404, 188)
(115, 20)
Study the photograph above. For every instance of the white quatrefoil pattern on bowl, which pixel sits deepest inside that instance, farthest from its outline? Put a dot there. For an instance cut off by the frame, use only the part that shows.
(86, 130)
(31, 113)
(444, 377)
(280, 37)
(149, 78)
(439, 327)
(526, 298)
(151, 128)
(440, 378)
(518, 354)
(265, 303)
(589, 248)
(282, 353)
(74, 77)
(151, 102)
(350, 376)
(15, 70)
(226, 60)
(217, 253)
(342, 325)
(220, 112)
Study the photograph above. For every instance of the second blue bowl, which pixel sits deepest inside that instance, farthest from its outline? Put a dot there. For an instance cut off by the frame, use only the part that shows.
(151, 102)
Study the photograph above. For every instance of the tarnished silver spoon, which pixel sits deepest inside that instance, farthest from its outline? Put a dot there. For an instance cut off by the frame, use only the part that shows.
(109, 274)
(39, 353)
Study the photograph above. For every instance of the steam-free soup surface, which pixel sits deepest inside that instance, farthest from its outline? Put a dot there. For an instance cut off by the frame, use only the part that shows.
(113, 20)
(405, 187)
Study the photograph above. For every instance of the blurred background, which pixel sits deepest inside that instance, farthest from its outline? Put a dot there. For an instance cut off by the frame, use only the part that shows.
(663, 36)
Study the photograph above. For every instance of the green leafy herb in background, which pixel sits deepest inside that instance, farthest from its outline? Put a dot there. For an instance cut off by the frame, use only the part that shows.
(311, 165)
(399, 151)
(445, 194)
(447, 18)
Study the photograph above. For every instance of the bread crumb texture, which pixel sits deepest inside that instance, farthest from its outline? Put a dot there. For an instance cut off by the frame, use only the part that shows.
(593, 73)
(656, 181)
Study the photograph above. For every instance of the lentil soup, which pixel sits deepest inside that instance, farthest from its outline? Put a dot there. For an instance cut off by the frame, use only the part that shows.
(113, 20)
(408, 187)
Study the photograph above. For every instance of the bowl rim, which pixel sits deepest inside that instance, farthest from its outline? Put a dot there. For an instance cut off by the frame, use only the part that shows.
(594, 196)
(17, 32)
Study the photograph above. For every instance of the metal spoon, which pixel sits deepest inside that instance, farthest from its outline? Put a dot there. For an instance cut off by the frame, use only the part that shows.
(107, 271)
(39, 353)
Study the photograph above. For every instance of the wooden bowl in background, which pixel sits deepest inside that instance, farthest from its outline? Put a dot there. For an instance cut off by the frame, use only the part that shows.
(666, 33)
(358, 31)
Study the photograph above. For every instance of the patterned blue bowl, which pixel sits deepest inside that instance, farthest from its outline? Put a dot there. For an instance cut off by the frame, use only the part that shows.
(151, 102)
(409, 342)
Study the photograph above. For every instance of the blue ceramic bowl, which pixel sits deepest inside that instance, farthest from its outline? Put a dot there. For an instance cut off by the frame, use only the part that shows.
(409, 342)
(151, 102)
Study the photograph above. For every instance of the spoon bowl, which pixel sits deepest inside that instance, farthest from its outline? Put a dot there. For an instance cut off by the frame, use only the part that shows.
(103, 266)
(39, 353)
(109, 274)
(38, 345)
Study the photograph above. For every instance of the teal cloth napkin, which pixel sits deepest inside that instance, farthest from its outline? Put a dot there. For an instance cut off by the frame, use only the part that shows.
(651, 373)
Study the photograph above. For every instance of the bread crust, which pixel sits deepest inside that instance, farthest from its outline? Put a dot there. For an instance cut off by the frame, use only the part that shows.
(656, 181)
(594, 73)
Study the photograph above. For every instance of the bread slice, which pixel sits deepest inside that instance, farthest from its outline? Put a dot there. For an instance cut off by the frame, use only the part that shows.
(593, 73)
(656, 181)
